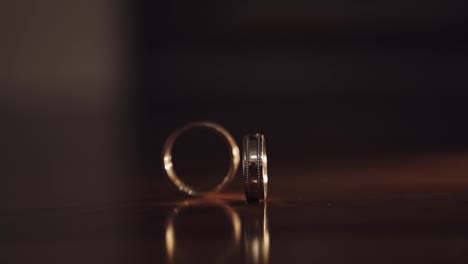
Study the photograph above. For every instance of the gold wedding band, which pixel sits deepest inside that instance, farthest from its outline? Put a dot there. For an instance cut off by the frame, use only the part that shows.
(169, 165)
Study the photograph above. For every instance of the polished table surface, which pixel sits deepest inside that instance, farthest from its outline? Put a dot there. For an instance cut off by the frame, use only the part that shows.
(405, 210)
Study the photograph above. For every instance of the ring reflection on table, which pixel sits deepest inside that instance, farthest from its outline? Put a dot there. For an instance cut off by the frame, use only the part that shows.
(251, 229)
(256, 236)
(177, 212)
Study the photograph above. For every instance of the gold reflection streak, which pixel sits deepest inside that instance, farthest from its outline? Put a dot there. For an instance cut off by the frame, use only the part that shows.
(266, 235)
(170, 228)
(257, 237)
(255, 230)
(170, 241)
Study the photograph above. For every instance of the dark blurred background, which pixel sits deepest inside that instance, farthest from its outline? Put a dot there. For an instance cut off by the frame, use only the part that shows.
(328, 82)
(91, 89)
(335, 77)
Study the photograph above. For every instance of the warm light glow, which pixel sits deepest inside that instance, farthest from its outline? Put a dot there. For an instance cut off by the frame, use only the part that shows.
(257, 240)
(170, 242)
(168, 166)
(266, 236)
(236, 223)
(255, 249)
(235, 151)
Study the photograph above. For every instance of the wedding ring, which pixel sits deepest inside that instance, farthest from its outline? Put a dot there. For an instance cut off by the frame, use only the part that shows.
(169, 165)
(254, 164)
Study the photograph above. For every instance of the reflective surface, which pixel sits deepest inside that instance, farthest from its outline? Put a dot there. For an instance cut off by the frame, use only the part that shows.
(250, 236)
(410, 211)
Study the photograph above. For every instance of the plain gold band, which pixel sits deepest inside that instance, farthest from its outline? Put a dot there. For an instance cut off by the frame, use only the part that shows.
(169, 166)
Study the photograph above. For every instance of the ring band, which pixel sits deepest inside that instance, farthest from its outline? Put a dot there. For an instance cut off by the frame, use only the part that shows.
(169, 166)
(254, 164)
